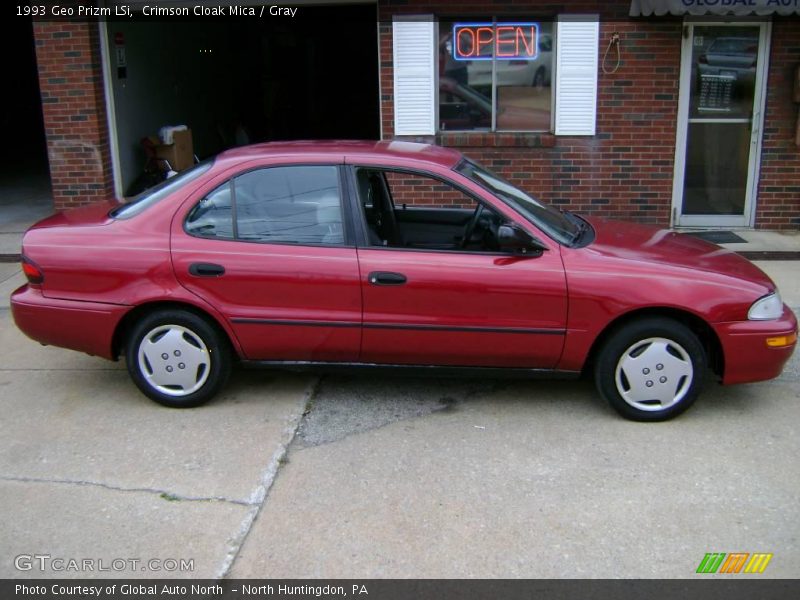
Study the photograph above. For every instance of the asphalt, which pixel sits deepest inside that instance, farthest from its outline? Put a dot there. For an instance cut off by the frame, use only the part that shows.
(299, 476)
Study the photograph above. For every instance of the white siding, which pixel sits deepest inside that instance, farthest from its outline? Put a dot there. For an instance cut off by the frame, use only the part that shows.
(414, 76)
(576, 75)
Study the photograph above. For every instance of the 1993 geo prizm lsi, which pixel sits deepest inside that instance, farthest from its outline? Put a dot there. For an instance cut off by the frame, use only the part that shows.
(365, 254)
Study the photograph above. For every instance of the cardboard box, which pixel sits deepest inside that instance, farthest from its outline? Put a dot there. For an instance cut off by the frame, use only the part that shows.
(180, 153)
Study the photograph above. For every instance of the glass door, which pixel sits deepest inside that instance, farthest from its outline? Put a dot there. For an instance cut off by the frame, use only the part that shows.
(719, 123)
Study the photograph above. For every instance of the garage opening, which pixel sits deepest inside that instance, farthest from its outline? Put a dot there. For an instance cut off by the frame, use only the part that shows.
(25, 194)
(239, 81)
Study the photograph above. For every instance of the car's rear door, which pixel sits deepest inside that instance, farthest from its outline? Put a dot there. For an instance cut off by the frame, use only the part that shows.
(446, 306)
(270, 249)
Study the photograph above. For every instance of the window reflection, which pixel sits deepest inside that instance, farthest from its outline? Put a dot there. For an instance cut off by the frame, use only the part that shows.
(519, 100)
(212, 217)
(298, 204)
(724, 71)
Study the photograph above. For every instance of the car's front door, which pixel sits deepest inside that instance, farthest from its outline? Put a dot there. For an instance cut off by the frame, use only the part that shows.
(432, 298)
(268, 249)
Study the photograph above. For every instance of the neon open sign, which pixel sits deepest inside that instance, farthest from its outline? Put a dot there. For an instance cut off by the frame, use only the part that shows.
(478, 41)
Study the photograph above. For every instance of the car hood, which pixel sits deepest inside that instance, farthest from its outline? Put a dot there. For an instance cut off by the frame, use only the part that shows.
(91, 214)
(645, 243)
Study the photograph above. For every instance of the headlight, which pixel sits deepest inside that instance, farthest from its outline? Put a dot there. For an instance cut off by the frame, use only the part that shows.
(768, 307)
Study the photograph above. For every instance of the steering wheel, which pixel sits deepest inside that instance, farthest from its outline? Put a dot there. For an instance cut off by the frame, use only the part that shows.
(473, 223)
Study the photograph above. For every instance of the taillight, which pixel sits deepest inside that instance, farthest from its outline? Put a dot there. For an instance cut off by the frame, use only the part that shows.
(32, 271)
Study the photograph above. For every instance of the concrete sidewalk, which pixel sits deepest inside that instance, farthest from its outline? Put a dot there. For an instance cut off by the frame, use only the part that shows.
(767, 245)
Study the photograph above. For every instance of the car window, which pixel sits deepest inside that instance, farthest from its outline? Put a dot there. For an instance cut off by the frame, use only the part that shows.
(213, 215)
(554, 223)
(417, 211)
(155, 194)
(292, 204)
(734, 46)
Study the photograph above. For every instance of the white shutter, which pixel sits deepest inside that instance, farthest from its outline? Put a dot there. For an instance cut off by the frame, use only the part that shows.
(576, 75)
(414, 76)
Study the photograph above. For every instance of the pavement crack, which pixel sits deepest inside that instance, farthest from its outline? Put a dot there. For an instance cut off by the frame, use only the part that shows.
(260, 493)
(14, 274)
(165, 494)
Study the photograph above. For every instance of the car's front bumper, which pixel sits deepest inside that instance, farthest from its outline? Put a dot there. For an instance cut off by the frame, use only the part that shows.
(84, 326)
(748, 358)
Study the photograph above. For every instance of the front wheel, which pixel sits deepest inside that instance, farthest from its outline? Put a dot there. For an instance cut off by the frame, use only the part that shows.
(651, 369)
(177, 358)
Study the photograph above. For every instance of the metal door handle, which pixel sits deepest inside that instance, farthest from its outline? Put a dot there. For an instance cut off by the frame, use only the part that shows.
(386, 278)
(206, 270)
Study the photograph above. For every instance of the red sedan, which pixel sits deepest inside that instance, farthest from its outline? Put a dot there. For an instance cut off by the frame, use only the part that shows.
(364, 254)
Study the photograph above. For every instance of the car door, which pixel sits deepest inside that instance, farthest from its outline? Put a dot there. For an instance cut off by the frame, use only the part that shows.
(441, 304)
(270, 250)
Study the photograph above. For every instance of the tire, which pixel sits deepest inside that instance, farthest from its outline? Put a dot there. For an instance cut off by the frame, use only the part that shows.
(651, 369)
(197, 363)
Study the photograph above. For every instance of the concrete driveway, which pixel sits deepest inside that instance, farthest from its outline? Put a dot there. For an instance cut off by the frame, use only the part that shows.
(389, 477)
(91, 469)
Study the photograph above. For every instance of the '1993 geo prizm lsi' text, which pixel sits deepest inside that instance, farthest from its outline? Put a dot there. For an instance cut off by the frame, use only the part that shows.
(365, 254)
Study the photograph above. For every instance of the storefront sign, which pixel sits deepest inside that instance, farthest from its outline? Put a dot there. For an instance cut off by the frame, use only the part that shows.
(716, 93)
(478, 41)
(645, 8)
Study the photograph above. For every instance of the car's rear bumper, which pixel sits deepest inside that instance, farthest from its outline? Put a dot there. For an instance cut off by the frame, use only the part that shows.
(83, 326)
(748, 358)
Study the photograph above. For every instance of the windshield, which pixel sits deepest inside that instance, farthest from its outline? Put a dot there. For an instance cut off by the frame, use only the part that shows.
(553, 222)
(155, 194)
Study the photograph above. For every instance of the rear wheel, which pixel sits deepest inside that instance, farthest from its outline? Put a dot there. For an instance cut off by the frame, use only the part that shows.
(651, 369)
(177, 358)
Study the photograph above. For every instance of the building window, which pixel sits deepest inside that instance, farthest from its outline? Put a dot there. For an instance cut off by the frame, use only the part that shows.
(502, 103)
(495, 75)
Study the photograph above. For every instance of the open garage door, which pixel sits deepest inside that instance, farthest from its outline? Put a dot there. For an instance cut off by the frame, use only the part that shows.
(25, 192)
(237, 81)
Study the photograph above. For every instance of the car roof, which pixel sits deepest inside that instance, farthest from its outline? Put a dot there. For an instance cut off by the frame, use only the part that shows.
(350, 151)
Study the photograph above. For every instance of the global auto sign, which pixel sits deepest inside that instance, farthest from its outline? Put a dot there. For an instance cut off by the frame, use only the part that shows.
(741, 3)
(482, 41)
(645, 8)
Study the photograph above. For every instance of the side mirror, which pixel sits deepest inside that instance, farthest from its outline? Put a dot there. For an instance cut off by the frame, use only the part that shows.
(514, 239)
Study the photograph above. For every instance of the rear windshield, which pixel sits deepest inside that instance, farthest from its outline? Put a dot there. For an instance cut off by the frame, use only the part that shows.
(156, 194)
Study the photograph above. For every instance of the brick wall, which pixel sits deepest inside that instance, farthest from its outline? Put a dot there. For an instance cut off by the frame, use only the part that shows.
(428, 192)
(779, 186)
(626, 169)
(73, 105)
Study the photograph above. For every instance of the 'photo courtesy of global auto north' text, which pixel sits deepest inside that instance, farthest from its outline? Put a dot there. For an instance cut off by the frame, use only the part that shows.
(400, 299)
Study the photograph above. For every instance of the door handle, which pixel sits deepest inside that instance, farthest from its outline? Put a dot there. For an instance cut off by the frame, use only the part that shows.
(206, 270)
(386, 278)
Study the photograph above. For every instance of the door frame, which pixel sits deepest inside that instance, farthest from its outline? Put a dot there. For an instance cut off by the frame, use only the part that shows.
(747, 219)
(111, 111)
